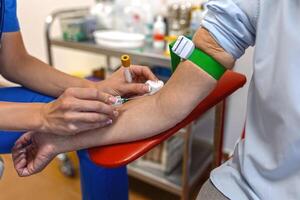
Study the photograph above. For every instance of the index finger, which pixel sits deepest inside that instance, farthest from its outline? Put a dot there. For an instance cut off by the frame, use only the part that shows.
(88, 94)
(144, 71)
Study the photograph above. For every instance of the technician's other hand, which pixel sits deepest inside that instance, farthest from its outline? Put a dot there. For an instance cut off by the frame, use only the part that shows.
(77, 110)
(34, 151)
(117, 85)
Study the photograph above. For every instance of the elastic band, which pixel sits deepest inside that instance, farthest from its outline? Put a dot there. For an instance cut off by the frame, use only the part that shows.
(202, 60)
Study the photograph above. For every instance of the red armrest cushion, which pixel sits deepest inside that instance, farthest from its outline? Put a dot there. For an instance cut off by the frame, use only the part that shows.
(121, 154)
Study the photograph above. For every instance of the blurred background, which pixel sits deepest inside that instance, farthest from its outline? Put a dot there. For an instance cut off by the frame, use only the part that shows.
(85, 38)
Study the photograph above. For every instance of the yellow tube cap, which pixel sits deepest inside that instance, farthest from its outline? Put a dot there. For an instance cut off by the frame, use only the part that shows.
(125, 59)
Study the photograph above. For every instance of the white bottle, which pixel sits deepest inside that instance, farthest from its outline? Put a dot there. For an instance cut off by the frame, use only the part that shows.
(159, 32)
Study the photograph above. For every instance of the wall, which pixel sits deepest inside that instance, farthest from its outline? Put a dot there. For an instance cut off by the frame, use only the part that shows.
(32, 14)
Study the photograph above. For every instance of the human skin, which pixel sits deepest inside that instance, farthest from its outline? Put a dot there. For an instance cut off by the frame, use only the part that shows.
(139, 119)
(81, 105)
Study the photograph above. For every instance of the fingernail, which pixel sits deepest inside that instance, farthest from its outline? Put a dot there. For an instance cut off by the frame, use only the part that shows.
(116, 113)
(146, 88)
(112, 99)
(109, 122)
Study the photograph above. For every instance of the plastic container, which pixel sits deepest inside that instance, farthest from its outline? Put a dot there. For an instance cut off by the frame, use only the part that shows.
(159, 32)
(130, 15)
(117, 39)
(78, 28)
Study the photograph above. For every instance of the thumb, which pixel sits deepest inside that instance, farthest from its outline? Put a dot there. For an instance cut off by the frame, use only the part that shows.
(135, 88)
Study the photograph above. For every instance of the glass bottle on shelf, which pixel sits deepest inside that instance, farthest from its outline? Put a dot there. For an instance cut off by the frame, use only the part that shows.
(103, 10)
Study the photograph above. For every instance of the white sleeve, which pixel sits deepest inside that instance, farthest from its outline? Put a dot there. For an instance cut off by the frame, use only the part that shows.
(232, 23)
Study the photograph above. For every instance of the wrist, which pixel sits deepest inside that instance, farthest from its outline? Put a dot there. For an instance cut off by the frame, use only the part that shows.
(38, 121)
(66, 143)
(88, 84)
(105, 86)
(62, 144)
(204, 41)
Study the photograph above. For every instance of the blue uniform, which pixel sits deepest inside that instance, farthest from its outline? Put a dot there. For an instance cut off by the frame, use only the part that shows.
(97, 183)
(10, 22)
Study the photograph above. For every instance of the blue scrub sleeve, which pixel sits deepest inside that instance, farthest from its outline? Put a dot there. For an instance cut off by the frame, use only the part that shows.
(11, 23)
(232, 23)
(21, 95)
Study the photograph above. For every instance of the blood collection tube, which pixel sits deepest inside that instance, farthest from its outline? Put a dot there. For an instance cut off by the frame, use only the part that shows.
(125, 59)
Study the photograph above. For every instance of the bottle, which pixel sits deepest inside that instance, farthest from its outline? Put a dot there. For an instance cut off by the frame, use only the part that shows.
(173, 19)
(134, 16)
(196, 18)
(159, 32)
(148, 24)
(103, 11)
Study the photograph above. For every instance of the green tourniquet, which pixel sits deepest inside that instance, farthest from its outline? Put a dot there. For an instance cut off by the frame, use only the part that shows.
(175, 59)
(202, 60)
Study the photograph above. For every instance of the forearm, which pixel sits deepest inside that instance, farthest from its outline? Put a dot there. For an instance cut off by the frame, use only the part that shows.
(151, 115)
(20, 116)
(146, 117)
(37, 75)
(18, 66)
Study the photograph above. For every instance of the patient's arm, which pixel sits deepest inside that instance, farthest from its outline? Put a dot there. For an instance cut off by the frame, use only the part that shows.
(151, 115)
(139, 119)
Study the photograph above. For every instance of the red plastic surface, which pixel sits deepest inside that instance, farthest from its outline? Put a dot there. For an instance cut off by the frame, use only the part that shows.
(121, 154)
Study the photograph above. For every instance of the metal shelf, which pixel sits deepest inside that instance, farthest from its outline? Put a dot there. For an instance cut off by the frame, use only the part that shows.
(145, 55)
(201, 159)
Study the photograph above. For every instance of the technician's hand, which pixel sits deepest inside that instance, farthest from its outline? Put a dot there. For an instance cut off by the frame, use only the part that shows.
(117, 85)
(77, 110)
(34, 151)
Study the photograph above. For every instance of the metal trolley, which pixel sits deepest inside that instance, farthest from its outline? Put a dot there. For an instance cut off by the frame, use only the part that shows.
(197, 156)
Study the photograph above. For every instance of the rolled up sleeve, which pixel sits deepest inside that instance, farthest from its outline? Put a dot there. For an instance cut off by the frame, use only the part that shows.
(11, 23)
(232, 23)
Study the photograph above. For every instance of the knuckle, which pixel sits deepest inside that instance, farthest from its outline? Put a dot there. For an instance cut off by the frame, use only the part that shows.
(67, 117)
(69, 91)
(66, 103)
(72, 128)
(106, 109)
(102, 95)
(94, 92)
(99, 106)
(96, 118)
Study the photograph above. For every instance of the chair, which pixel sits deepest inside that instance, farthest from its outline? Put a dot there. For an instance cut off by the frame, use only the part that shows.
(121, 154)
